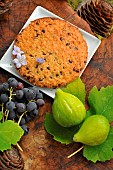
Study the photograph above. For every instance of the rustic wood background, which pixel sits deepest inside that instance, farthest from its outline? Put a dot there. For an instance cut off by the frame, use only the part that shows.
(41, 152)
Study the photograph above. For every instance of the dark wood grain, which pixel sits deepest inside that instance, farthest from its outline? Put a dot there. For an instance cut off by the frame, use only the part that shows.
(41, 152)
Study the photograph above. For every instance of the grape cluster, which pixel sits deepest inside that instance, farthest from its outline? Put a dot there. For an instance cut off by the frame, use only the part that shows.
(19, 103)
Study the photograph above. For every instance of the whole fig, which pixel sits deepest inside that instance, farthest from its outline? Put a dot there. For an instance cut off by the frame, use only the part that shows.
(67, 109)
(94, 131)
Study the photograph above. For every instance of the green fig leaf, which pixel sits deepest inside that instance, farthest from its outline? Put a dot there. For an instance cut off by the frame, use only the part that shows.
(88, 114)
(59, 133)
(10, 134)
(76, 88)
(0, 115)
(101, 152)
(101, 102)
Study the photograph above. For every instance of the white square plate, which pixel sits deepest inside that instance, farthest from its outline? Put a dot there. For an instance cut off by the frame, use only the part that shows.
(39, 12)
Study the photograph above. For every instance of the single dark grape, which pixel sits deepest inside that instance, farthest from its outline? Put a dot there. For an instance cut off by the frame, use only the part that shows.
(20, 86)
(34, 113)
(23, 121)
(19, 94)
(25, 89)
(5, 87)
(21, 107)
(28, 118)
(26, 129)
(12, 115)
(30, 94)
(40, 102)
(12, 82)
(39, 95)
(34, 88)
(3, 98)
(10, 105)
(31, 106)
(1, 88)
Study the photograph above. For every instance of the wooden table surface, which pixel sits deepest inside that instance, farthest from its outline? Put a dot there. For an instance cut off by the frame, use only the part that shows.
(41, 152)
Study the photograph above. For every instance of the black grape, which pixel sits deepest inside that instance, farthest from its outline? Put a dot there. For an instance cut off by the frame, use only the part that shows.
(3, 98)
(30, 94)
(20, 103)
(12, 82)
(12, 115)
(34, 88)
(31, 106)
(1, 88)
(28, 118)
(23, 121)
(40, 102)
(26, 129)
(10, 105)
(39, 95)
(25, 89)
(5, 87)
(19, 94)
(21, 107)
(34, 113)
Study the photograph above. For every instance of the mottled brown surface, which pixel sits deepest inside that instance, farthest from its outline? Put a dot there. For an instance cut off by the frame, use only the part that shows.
(41, 152)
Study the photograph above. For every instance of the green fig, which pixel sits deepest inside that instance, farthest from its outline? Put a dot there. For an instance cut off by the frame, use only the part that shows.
(94, 131)
(67, 109)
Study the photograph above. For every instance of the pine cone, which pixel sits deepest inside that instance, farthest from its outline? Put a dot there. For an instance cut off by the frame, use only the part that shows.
(4, 5)
(99, 15)
(11, 160)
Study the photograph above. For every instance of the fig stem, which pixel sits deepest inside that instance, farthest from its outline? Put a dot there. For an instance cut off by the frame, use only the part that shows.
(19, 147)
(76, 152)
